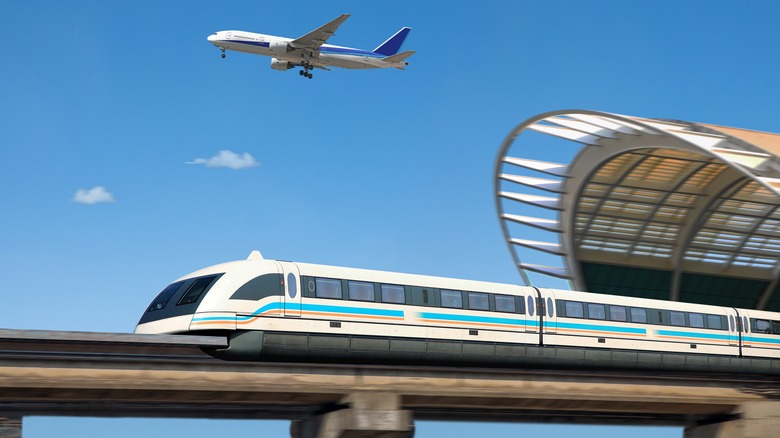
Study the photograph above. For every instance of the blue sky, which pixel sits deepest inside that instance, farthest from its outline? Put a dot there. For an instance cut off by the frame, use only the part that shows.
(125, 103)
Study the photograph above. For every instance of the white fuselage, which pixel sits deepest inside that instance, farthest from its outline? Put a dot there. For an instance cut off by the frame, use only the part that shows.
(284, 49)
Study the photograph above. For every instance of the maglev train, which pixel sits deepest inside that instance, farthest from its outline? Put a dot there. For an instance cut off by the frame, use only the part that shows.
(279, 310)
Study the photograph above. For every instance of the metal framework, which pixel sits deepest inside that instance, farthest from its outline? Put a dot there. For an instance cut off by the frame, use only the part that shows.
(683, 200)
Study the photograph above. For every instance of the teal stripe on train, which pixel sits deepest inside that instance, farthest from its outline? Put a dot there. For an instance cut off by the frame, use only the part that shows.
(352, 310)
(695, 335)
(763, 339)
(601, 328)
(310, 308)
(266, 308)
(552, 325)
(444, 317)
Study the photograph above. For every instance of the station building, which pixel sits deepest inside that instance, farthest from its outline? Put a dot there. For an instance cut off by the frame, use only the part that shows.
(651, 208)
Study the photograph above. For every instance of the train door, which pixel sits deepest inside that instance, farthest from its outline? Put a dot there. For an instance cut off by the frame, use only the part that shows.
(540, 307)
(531, 299)
(747, 336)
(732, 317)
(291, 302)
(550, 312)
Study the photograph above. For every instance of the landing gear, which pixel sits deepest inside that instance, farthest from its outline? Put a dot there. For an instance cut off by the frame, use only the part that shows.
(305, 72)
(306, 67)
(223, 52)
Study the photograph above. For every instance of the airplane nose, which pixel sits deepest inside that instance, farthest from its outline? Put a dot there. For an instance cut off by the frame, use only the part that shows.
(212, 37)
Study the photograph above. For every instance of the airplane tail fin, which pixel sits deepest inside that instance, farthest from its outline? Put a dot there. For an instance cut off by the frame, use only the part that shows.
(393, 44)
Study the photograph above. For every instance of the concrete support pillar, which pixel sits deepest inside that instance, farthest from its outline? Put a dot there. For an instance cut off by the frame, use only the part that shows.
(750, 420)
(365, 415)
(10, 427)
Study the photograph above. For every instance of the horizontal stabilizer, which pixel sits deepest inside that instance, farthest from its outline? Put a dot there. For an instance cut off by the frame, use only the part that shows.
(399, 57)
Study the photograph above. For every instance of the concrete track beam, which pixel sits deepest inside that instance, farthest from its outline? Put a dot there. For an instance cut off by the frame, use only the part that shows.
(10, 427)
(759, 419)
(359, 415)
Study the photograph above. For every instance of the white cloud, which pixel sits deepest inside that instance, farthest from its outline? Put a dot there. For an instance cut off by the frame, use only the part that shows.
(229, 159)
(95, 195)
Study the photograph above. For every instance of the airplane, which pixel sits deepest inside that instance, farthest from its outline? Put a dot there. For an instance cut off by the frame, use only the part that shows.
(310, 51)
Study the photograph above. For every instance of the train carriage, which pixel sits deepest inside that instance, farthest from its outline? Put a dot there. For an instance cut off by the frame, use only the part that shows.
(277, 309)
(761, 333)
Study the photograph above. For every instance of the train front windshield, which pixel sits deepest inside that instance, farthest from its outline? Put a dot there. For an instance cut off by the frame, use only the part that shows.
(179, 298)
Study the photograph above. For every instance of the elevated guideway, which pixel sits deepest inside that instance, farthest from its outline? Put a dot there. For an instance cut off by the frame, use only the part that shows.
(124, 375)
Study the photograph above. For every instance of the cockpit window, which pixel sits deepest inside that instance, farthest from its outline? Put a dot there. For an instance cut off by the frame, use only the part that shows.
(196, 289)
(165, 295)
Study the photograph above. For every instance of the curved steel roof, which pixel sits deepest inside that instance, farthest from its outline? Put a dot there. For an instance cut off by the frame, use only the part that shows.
(646, 207)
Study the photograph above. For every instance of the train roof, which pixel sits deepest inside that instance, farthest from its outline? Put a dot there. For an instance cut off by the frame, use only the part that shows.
(405, 279)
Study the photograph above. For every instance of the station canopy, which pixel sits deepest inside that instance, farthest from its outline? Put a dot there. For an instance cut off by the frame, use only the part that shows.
(642, 207)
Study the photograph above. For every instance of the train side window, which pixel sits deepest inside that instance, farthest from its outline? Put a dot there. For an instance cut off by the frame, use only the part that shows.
(530, 305)
(561, 307)
(265, 285)
(550, 307)
(660, 317)
(422, 296)
(677, 318)
(776, 327)
(452, 299)
(761, 326)
(478, 301)
(714, 322)
(520, 305)
(308, 291)
(746, 324)
(361, 291)
(574, 309)
(639, 315)
(597, 311)
(328, 288)
(617, 313)
(392, 294)
(696, 320)
(505, 303)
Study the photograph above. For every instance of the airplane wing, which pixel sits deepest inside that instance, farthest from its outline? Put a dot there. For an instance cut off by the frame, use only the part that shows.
(314, 39)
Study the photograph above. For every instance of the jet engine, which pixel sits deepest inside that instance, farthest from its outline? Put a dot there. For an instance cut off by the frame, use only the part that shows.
(278, 64)
(279, 46)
